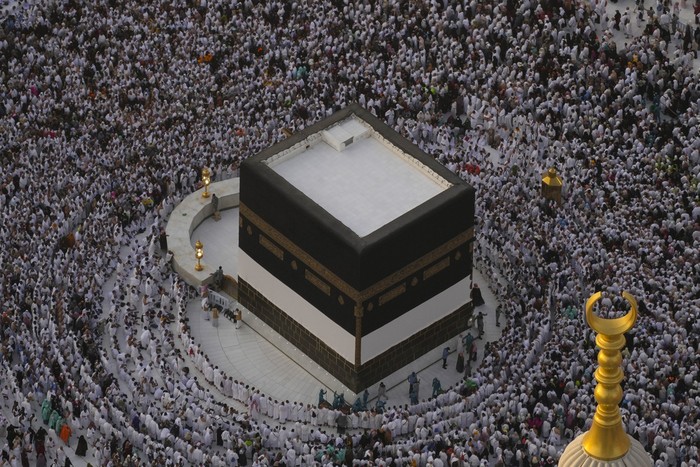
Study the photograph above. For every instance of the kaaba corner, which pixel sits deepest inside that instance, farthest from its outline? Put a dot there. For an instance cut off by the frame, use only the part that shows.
(355, 246)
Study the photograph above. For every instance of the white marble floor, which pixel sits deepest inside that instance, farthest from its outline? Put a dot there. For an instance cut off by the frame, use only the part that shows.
(220, 239)
(257, 355)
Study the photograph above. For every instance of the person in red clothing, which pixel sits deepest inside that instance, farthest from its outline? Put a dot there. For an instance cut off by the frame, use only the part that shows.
(66, 432)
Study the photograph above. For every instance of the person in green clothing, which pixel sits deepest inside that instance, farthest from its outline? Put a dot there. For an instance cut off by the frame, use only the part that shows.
(480, 324)
(437, 387)
(59, 424)
(53, 419)
(340, 455)
(468, 339)
(46, 410)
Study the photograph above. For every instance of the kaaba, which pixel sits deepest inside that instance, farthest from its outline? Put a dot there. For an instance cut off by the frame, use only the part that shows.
(355, 246)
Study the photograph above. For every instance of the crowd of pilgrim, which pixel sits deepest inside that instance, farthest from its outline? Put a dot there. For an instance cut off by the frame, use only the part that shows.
(110, 108)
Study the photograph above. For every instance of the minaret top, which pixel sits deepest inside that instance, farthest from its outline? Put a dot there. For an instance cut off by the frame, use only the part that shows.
(606, 443)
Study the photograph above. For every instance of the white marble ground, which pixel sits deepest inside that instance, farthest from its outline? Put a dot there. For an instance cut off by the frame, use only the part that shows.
(259, 356)
(220, 240)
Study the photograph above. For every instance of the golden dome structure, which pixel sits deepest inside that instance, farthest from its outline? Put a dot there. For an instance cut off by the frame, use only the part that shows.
(552, 185)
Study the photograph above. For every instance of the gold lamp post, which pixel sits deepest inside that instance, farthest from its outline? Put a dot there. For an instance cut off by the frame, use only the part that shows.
(606, 443)
(206, 180)
(199, 254)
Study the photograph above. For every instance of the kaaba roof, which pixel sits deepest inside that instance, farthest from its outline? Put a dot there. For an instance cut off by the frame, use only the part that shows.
(357, 175)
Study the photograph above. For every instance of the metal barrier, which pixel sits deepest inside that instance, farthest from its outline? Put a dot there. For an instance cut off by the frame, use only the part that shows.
(218, 300)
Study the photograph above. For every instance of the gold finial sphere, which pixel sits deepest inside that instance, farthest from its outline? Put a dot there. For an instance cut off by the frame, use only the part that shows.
(206, 180)
(198, 254)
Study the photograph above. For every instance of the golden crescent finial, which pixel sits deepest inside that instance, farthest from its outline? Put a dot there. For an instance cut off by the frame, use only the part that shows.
(611, 327)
